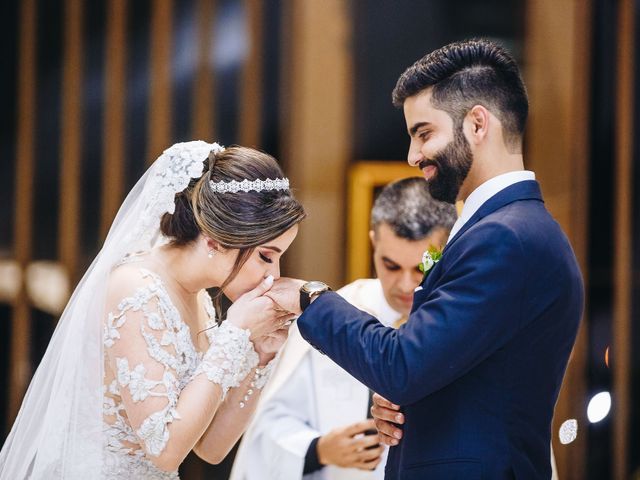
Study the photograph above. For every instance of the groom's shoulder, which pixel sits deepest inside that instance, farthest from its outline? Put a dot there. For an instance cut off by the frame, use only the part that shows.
(526, 220)
(525, 226)
(503, 234)
(488, 241)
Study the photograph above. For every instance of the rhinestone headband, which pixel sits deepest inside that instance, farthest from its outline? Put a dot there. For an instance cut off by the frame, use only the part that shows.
(246, 185)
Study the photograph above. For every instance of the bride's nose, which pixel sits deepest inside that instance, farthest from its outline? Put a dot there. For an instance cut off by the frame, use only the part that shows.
(274, 270)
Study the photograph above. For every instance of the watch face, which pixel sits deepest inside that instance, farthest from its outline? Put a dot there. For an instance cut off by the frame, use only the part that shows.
(315, 286)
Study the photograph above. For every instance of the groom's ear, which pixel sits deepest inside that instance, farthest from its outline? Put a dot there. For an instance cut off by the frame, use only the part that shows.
(477, 123)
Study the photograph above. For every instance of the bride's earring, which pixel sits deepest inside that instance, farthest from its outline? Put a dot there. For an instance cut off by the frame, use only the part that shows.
(210, 254)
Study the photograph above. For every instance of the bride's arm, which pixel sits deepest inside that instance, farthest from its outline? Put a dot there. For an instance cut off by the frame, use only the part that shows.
(235, 413)
(143, 348)
(229, 423)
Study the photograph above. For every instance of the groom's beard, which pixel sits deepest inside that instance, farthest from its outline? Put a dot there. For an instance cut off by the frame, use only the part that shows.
(453, 163)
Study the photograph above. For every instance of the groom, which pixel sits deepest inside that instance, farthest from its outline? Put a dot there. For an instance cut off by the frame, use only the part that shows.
(478, 366)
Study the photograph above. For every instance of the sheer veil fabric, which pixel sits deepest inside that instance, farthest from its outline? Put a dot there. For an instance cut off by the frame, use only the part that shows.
(58, 431)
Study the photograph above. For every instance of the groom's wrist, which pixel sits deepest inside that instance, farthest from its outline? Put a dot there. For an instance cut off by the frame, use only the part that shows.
(310, 291)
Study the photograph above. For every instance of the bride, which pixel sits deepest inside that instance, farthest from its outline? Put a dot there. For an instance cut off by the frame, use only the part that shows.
(141, 368)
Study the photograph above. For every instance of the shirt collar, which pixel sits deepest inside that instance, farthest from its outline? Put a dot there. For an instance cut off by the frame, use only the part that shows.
(484, 192)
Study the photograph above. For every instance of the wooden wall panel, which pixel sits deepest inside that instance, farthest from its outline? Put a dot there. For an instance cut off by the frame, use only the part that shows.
(113, 155)
(623, 264)
(317, 88)
(557, 73)
(251, 93)
(21, 320)
(71, 144)
(160, 79)
(203, 113)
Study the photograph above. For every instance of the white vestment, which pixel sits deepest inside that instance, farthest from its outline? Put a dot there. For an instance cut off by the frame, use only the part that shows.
(307, 396)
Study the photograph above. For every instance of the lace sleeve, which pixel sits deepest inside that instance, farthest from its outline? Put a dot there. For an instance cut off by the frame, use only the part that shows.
(229, 358)
(149, 354)
(231, 355)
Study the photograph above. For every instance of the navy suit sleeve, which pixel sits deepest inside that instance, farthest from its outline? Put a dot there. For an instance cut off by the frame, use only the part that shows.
(472, 311)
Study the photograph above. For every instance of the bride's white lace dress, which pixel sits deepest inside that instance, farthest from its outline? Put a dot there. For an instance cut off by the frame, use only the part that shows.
(149, 358)
(103, 400)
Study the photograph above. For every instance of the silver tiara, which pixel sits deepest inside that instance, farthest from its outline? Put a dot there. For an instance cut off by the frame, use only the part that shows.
(246, 185)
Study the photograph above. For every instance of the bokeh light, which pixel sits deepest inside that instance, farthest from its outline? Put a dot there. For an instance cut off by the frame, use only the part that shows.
(599, 407)
(568, 431)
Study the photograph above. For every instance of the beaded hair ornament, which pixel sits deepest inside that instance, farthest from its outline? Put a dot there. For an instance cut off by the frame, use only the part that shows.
(245, 185)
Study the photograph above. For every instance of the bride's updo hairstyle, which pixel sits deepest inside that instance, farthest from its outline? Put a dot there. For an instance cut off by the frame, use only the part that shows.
(240, 220)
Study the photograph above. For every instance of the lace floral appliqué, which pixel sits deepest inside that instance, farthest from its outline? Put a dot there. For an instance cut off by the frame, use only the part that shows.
(174, 351)
(171, 363)
(230, 357)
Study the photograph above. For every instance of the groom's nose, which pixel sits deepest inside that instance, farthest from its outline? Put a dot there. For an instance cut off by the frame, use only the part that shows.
(414, 156)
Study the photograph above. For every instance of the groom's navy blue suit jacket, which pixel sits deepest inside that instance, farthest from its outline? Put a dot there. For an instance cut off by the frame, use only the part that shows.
(478, 366)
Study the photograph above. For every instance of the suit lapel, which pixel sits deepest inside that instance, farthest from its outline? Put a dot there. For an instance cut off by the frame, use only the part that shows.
(526, 190)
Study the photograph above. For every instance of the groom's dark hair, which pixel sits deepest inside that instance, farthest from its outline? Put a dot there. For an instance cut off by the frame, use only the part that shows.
(408, 208)
(468, 73)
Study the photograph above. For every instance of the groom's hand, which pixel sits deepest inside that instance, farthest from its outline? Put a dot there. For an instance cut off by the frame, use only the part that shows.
(286, 293)
(387, 416)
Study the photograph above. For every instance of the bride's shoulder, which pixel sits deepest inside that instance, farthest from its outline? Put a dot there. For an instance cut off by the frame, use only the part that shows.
(125, 279)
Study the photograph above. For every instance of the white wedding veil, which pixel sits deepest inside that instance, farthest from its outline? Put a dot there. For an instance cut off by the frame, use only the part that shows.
(58, 431)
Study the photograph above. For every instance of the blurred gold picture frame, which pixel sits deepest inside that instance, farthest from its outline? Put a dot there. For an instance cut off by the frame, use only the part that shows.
(364, 178)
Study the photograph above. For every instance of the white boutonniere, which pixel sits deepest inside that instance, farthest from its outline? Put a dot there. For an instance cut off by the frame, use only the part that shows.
(430, 257)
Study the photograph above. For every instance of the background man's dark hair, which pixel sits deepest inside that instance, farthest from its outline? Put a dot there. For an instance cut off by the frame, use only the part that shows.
(408, 208)
(468, 73)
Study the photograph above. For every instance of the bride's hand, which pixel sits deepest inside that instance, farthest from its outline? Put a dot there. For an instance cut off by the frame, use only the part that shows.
(256, 312)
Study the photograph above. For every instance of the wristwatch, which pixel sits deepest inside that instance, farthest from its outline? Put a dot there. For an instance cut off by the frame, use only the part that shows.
(310, 290)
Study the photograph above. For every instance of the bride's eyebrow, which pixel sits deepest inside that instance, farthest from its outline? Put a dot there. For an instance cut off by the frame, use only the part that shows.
(275, 249)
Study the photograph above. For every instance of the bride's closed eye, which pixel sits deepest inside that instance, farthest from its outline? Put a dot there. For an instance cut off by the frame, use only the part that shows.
(264, 258)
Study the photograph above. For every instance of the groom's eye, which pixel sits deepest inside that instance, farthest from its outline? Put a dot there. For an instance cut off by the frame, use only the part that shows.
(424, 135)
(265, 258)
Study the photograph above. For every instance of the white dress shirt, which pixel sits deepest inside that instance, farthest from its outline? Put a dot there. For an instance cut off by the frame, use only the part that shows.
(484, 192)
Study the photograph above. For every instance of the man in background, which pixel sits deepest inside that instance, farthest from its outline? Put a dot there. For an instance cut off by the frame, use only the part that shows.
(312, 422)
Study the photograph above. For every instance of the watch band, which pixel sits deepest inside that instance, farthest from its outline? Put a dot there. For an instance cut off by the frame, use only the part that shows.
(305, 299)
(310, 290)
